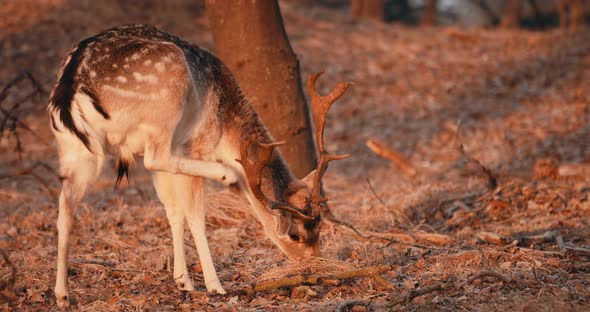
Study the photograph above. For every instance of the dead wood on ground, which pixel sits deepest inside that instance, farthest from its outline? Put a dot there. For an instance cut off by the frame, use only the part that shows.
(329, 279)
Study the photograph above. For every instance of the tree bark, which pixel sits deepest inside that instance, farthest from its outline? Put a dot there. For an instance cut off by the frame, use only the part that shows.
(571, 13)
(251, 40)
(428, 17)
(563, 11)
(511, 15)
(373, 9)
(577, 14)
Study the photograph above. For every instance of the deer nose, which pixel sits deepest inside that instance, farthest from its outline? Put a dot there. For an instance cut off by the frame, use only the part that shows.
(313, 251)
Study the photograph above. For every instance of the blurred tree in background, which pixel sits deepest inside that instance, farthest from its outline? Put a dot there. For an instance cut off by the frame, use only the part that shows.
(429, 13)
(571, 13)
(367, 8)
(511, 15)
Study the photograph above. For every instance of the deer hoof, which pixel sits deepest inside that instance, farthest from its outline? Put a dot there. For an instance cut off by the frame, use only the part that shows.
(229, 178)
(63, 302)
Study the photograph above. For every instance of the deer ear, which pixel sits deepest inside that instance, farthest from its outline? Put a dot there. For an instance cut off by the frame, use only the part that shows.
(296, 184)
(309, 178)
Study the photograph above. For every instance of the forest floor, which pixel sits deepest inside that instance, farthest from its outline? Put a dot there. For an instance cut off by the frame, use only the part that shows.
(517, 101)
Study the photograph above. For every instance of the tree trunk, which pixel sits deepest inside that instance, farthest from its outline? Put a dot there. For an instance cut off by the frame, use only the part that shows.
(511, 15)
(563, 12)
(428, 17)
(577, 14)
(251, 40)
(368, 8)
(571, 13)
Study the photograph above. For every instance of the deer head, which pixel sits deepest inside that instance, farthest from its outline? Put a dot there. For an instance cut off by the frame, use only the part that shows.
(297, 217)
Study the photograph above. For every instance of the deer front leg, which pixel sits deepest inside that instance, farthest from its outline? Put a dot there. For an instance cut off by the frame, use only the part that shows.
(191, 167)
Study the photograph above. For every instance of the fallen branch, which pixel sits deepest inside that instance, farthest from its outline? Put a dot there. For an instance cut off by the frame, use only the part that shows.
(547, 237)
(417, 293)
(299, 280)
(382, 282)
(382, 150)
(577, 251)
(105, 263)
(492, 273)
(491, 238)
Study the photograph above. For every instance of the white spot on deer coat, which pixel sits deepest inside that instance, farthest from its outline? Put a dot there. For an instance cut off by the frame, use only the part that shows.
(145, 78)
(133, 94)
(160, 67)
(121, 79)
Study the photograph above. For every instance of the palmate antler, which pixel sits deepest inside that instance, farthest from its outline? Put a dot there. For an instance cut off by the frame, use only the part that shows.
(321, 105)
(253, 171)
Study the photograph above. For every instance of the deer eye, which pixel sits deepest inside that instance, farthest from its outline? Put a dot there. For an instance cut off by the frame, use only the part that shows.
(294, 237)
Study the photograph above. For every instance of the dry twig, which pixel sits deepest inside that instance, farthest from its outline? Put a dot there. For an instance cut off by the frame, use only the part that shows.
(11, 116)
(31, 171)
(372, 189)
(4, 285)
(492, 179)
(330, 218)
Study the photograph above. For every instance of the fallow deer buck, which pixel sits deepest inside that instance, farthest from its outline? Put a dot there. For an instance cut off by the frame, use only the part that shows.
(134, 90)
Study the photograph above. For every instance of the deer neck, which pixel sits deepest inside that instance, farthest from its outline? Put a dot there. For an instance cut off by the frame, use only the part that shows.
(277, 175)
(241, 123)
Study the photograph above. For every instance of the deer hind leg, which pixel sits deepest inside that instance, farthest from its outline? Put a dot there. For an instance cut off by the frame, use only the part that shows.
(166, 186)
(79, 168)
(162, 160)
(193, 202)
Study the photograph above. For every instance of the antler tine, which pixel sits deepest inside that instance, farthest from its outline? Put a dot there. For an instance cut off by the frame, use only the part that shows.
(294, 211)
(253, 171)
(321, 105)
